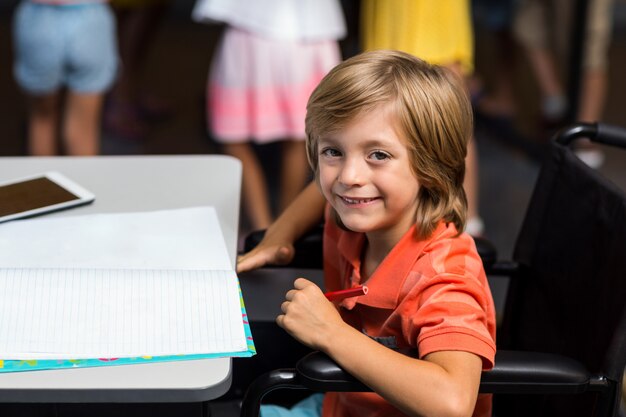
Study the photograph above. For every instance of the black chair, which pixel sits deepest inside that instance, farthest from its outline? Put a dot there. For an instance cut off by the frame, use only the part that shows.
(562, 342)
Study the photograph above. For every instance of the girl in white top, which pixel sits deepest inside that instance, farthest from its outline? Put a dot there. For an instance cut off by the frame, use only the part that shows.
(271, 56)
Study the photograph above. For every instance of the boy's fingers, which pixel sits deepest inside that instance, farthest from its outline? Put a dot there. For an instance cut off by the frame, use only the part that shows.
(250, 261)
(289, 295)
(279, 320)
(301, 283)
(259, 258)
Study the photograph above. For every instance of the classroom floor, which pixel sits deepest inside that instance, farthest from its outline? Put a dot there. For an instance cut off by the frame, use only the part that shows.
(177, 69)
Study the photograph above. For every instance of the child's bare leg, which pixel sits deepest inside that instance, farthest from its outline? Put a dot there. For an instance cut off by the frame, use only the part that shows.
(255, 193)
(544, 66)
(294, 171)
(42, 125)
(594, 85)
(81, 127)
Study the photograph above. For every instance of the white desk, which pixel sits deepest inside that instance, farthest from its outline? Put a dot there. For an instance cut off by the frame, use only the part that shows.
(126, 184)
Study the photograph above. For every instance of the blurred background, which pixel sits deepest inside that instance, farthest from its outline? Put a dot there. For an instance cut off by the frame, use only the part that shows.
(174, 75)
(172, 54)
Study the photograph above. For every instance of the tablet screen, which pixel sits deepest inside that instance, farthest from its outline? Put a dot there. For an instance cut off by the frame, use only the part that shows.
(32, 194)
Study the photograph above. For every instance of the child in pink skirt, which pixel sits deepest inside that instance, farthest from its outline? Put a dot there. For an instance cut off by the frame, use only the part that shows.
(271, 56)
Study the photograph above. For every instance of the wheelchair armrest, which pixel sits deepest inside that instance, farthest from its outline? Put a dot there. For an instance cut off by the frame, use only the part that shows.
(318, 372)
(517, 372)
(309, 249)
(514, 372)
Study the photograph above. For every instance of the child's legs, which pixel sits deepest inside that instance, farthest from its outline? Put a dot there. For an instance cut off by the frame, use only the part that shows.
(294, 171)
(594, 87)
(255, 193)
(38, 64)
(42, 125)
(81, 124)
(91, 66)
(543, 63)
(594, 81)
(309, 407)
(532, 28)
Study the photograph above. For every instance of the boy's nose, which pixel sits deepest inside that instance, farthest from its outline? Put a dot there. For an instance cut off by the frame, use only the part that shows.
(352, 173)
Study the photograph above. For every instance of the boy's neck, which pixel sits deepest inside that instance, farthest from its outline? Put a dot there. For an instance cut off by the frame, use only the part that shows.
(377, 246)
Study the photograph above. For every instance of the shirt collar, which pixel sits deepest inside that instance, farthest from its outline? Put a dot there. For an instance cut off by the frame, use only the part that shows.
(385, 284)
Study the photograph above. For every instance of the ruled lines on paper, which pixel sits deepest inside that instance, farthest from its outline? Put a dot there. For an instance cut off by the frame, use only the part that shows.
(111, 313)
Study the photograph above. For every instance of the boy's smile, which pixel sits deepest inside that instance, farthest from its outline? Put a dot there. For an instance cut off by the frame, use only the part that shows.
(365, 173)
(360, 202)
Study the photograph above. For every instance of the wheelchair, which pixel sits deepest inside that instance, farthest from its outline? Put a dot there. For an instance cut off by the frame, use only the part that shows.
(562, 339)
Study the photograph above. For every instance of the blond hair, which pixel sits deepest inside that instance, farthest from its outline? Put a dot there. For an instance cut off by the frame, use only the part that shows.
(433, 113)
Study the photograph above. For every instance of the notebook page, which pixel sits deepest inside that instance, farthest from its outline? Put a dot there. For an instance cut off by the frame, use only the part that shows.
(97, 313)
(186, 238)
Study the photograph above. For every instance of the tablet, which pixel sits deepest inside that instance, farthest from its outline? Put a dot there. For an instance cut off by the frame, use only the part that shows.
(39, 194)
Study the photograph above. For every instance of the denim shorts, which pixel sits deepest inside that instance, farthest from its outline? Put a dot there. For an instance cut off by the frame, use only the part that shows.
(73, 46)
(309, 407)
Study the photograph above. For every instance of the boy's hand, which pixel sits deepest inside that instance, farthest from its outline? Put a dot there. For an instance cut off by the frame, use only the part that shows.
(308, 316)
(265, 253)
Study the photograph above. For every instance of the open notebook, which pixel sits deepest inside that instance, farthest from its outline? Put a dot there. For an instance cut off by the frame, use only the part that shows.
(118, 288)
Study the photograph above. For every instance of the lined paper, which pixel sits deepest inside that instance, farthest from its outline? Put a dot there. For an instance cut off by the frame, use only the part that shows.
(79, 313)
(188, 304)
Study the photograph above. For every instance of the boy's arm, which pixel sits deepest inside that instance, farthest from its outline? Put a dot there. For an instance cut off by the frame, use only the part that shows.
(276, 247)
(443, 384)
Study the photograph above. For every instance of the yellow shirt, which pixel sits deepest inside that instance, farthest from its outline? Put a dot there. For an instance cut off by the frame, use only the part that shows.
(439, 32)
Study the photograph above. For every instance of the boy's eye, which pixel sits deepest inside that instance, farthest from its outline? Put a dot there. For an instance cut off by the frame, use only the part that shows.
(379, 155)
(330, 152)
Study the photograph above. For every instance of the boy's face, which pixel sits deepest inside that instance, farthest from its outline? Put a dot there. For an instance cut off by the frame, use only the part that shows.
(365, 174)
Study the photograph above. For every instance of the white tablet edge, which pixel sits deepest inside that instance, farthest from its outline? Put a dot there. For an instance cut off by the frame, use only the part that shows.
(83, 195)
